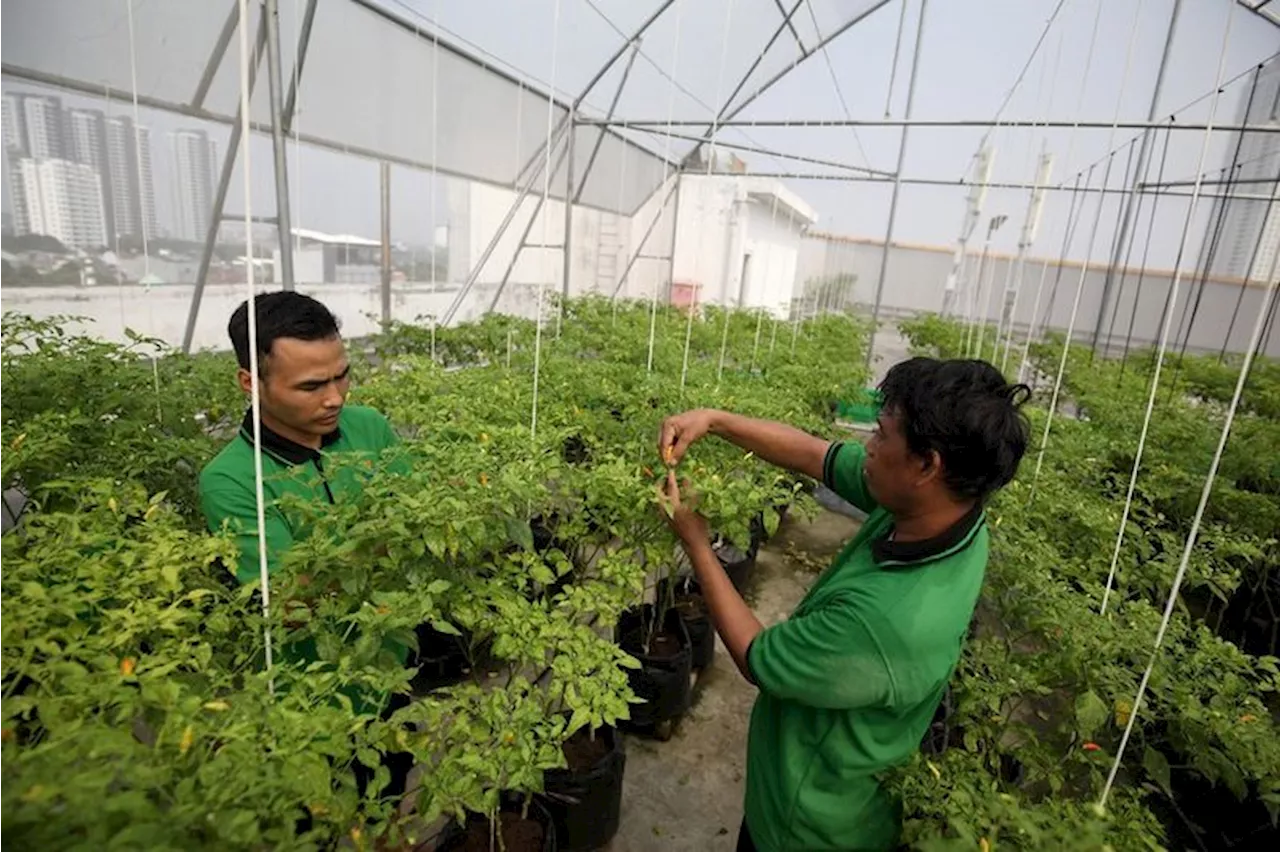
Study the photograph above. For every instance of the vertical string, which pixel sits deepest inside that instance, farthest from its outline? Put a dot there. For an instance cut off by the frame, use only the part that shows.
(435, 131)
(1205, 492)
(711, 158)
(546, 193)
(675, 176)
(294, 125)
(1155, 375)
(137, 145)
(250, 288)
(1088, 252)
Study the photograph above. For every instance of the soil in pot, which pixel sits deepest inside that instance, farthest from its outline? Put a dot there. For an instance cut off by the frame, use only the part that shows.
(514, 832)
(585, 799)
(662, 681)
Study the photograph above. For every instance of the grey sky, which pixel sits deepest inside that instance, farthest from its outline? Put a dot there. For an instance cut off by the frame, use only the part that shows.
(972, 53)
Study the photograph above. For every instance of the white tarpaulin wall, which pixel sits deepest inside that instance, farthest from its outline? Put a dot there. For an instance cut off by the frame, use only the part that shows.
(366, 86)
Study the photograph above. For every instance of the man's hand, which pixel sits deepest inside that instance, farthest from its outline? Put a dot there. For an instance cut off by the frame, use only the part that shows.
(683, 518)
(681, 430)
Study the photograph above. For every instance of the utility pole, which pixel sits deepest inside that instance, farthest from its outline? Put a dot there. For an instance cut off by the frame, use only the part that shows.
(983, 162)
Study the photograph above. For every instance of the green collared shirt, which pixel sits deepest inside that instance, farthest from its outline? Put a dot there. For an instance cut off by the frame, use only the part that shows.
(227, 482)
(850, 682)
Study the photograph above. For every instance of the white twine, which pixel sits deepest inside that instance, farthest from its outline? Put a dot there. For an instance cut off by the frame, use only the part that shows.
(137, 145)
(711, 157)
(1164, 341)
(546, 193)
(251, 290)
(671, 269)
(1088, 252)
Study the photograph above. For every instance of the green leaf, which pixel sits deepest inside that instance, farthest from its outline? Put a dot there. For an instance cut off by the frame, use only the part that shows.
(445, 627)
(771, 521)
(520, 533)
(1091, 714)
(1157, 766)
(542, 574)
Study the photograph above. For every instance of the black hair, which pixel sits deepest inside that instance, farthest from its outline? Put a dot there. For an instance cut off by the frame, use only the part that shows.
(280, 314)
(966, 412)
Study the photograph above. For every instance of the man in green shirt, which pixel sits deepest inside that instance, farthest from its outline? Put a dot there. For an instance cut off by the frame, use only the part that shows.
(303, 379)
(850, 682)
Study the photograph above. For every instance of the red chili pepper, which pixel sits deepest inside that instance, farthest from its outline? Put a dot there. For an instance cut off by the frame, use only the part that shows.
(1091, 747)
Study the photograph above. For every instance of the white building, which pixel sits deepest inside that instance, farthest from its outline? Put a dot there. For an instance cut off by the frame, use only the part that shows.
(737, 242)
(194, 159)
(87, 143)
(64, 200)
(133, 196)
(33, 127)
(320, 258)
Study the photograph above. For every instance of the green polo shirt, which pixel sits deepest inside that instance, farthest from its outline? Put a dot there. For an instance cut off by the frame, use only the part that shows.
(850, 682)
(227, 493)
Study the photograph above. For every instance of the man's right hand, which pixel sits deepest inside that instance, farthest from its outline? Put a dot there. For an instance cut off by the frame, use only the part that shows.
(681, 430)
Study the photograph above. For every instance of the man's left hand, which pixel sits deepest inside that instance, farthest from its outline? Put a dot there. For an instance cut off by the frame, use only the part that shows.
(681, 515)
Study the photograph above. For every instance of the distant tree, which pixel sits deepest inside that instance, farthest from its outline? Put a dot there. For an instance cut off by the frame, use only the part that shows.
(14, 243)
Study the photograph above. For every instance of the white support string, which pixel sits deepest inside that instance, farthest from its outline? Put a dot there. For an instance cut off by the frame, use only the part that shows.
(675, 176)
(115, 232)
(1164, 345)
(254, 391)
(986, 316)
(768, 251)
(1088, 252)
(294, 125)
(711, 158)
(897, 51)
(435, 131)
(137, 147)
(1035, 309)
(546, 194)
(1205, 492)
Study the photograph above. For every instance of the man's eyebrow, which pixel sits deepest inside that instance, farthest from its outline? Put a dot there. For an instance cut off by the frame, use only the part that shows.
(324, 381)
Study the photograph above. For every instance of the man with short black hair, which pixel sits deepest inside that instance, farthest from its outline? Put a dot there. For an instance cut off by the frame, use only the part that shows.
(303, 379)
(850, 682)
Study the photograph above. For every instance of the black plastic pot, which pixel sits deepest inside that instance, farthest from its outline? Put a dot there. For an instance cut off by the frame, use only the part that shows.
(686, 598)
(463, 837)
(662, 681)
(736, 563)
(586, 802)
(441, 660)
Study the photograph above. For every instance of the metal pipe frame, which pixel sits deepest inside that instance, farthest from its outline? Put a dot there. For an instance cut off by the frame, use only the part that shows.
(572, 108)
(768, 152)
(786, 22)
(1144, 151)
(493, 242)
(515, 255)
(965, 184)
(726, 115)
(567, 250)
(220, 195)
(613, 105)
(299, 60)
(897, 181)
(1023, 123)
(284, 228)
(216, 55)
(790, 26)
(644, 239)
(1228, 182)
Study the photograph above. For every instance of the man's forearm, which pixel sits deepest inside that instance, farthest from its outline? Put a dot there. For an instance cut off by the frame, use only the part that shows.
(733, 619)
(776, 443)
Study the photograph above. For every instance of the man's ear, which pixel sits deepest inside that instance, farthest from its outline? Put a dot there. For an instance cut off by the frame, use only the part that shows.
(930, 468)
(245, 378)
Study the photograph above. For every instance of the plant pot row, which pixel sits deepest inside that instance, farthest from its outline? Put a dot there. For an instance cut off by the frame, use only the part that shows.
(579, 810)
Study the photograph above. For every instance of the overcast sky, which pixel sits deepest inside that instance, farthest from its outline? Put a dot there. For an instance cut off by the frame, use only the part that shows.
(971, 55)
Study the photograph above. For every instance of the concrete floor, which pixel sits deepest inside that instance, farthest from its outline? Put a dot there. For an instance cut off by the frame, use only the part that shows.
(685, 795)
(890, 348)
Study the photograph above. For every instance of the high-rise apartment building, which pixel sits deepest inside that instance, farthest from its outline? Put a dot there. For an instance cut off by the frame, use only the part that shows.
(133, 197)
(194, 159)
(33, 127)
(1248, 236)
(87, 143)
(64, 200)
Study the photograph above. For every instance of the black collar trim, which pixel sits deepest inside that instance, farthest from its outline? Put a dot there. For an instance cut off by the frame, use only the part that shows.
(889, 554)
(280, 447)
